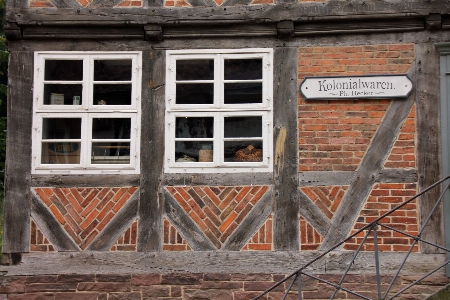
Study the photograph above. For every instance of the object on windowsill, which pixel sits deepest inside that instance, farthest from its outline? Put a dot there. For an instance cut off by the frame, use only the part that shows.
(101, 102)
(205, 155)
(186, 158)
(56, 99)
(248, 154)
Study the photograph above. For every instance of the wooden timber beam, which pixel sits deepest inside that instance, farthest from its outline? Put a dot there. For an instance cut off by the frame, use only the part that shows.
(201, 15)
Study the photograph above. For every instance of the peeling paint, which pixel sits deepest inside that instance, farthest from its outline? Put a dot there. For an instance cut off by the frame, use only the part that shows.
(279, 149)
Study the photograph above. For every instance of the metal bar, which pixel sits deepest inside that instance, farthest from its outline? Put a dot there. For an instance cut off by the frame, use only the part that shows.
(377, 259)
(289, 288)
(299, 285)
(434, 208)
(420, 279)
(353, 260)
(415, 237)
(335, 285)
(299, 271)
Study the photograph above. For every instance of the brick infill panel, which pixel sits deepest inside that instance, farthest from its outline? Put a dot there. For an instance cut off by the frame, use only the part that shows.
(217, 211)
(208, 286)
(334, 135)
(84, 213)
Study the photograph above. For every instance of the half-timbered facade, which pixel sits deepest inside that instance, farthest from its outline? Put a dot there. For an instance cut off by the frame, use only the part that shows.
(164, 149)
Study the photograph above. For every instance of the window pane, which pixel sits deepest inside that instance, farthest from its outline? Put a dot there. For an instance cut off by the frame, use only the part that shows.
(112, 94)
(63, 70)
(194, 151)
(243, 127)
(243, 69)
(112, 128)
(63, 94)
(198, 69)
(194, 127)
(61, 128)
(110, 153)
(60, 153)
(241, 93)
(243, 151)
(112, 70)
(198, 93)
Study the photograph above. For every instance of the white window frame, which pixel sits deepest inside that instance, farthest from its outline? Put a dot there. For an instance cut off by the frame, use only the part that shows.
(219, 110)
(86, 111)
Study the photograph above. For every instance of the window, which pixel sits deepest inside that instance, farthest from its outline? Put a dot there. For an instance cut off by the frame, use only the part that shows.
(219, 111)
(86, 112)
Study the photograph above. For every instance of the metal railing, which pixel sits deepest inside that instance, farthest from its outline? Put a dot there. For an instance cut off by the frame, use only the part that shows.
(371, 228)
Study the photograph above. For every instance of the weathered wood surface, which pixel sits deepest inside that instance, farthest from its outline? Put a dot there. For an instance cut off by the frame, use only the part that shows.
(361, 26)
(50, 227)
(117, 226)
(254, 220)
(16, 222)
(283, 262)
(185, 225)
(371, 165)
(151, 202)
(305, 12)
(218, 179)
(285, 219)
(428, 140)
(217, 29)
(313, 214)
(85, 180)
(318, 178)
(82, 32)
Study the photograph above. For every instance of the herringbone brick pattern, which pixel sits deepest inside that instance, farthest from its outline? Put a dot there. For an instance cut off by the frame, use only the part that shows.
(326, 198)
(262, 239)
(84, 212)
(172, 239)
(310, 239)
(217, 210)
(128, 240)
(38, 241)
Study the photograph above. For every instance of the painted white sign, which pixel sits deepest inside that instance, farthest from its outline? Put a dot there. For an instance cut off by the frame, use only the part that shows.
(356, 87)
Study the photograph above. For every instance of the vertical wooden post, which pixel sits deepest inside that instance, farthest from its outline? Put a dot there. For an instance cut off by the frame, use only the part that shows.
(16, 235)
(286, 222)
(151, 202)
(428, 157)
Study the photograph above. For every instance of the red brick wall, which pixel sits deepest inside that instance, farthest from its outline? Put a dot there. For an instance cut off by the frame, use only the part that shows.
(334, 135)
(195, 286)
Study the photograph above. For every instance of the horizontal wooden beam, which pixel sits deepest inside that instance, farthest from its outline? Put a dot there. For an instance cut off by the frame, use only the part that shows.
(283, 262)
(318, 178)
(296, 12)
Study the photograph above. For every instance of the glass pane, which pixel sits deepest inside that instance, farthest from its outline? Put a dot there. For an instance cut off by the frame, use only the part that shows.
(194, 127)
(60, 153)
(63, 94)
(243, 151)
(61, 128)
(196, 69)
(243, 69)
(198, 93)
(110, 153)
(112, 70)
(63, 70)
(112, 94)
(113, 128)
(243, 127)
(241, 93)
(194, 151)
